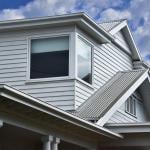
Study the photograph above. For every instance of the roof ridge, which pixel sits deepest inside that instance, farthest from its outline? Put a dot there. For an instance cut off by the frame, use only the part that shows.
(110, 21)
(134, 70)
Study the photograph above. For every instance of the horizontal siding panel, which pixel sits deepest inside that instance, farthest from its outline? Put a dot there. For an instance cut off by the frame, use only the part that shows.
(82, 93)
(12, 70)
(61, 103)
(13, 74)
(107, 63)
(100, 78)
(102, 69)
(11, 66)
(110, 60)
(13, 52)
(123, 59)
(59, 98)
(13, 47)
(100, 73)
(51, 94)
(12, 79)
(66, 107)
(117, 60)
(11, 57)
(107, 67)
(118, 52)
(13, 61)
(13, 43)
(45, 85)
(49, 90)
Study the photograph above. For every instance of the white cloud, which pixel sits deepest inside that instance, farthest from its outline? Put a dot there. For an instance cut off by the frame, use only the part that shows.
(110, 14)
(38, 8)
(7, 14)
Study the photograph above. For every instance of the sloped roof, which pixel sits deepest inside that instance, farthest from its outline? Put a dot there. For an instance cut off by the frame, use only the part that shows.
(17, 102)
(101, 101)
(109, 25)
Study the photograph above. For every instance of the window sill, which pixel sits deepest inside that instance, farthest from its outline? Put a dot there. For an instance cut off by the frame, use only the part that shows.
(130, 114)
(85, 83)
(52, 79)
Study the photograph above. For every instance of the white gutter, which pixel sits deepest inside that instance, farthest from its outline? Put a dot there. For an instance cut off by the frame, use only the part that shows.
(58, 113)
(143, 127)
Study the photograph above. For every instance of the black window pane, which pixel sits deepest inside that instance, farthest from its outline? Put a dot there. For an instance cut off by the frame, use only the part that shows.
(49, 64)
(49, 58)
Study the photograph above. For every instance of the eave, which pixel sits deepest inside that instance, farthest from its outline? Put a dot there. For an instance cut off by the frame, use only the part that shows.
(141, 127)
(79, 19)
(34, 107)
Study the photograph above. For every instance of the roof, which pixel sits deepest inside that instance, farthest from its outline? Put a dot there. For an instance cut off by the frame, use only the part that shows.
(109, 25)
(80, 19)
(101, 101)
(18, 101)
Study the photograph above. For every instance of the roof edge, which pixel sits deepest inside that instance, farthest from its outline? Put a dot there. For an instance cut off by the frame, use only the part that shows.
(39, 105)
(129, 128)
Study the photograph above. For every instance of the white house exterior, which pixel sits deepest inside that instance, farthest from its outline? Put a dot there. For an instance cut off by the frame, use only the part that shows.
(67, 82)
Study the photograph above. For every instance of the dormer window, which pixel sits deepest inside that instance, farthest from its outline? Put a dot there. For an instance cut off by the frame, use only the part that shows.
(84, 60)
(131, 106)
(49, 57)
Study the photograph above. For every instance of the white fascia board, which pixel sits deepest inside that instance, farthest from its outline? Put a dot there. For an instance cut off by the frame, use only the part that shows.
(80, 19)
(122, 99)
(134, 47)
(8, 92)
(130, 127)
(118, 27)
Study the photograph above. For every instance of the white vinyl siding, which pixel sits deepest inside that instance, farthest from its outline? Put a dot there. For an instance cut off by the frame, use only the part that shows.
(14, 66)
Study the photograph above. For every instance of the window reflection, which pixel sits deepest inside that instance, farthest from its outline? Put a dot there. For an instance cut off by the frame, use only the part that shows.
(84, 60)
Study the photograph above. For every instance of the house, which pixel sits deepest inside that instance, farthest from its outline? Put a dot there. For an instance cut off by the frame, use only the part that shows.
(67, 82)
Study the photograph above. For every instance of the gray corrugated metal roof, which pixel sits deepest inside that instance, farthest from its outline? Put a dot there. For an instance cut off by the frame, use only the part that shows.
(109, 25)
(100, 102)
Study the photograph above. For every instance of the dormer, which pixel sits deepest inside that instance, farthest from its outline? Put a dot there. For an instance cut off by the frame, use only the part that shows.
(60, 60)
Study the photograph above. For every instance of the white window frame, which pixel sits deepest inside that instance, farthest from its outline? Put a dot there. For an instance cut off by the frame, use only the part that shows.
(131, 109)
(71, 57)
(92, 60)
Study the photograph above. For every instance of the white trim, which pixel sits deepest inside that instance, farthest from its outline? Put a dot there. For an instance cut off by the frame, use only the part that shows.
(79, 36)
(122, 99)
(124, 25)
(133, 43)
(71, 65)
(118, 27)
(129, 127)
(77, 18)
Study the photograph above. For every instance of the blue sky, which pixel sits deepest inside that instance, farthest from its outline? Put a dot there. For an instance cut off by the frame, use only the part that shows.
(136, 11)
